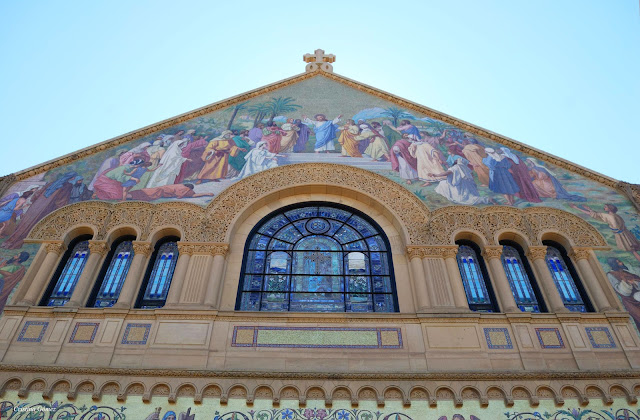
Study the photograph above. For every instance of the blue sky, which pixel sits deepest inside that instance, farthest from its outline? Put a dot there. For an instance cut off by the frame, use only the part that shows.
(561, 76)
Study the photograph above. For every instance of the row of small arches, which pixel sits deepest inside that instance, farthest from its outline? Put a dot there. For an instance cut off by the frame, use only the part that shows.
(339, 393)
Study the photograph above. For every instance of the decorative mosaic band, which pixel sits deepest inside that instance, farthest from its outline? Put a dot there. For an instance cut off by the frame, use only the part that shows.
(33, 331)
(136, 334)
(84, 332)
(498, 338)
(317, 337)
(550, 338)
(600, 338)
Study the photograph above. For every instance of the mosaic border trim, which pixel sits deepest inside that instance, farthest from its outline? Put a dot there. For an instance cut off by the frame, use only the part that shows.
(612, 343)
(125, 336)
(26, 325)
(492, 346)
(551, 346)
(322, 346)
(95, 326)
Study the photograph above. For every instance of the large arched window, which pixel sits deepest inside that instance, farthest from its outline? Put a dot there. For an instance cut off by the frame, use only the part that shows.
(521, 279)
(114, 270)
(317, 257)
(157, 280)
(475, 278)
(68, 272)
(566, 279)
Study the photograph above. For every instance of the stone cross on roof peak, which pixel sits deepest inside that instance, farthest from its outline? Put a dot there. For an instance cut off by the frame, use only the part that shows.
(319, 60)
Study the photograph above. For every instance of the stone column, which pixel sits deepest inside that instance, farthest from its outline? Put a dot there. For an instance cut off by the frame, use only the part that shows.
(538, 255)
(455, 279)
(219, 252)
(97, 251)
(184, 254)
(419, 281)
(141, 252)
(45, 271)
(507, 302)
(589, 279)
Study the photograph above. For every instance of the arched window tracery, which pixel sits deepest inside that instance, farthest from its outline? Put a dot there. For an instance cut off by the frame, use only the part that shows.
(157, 280)
(521, 279)
(114, 271)
(317, 257)
(475, 278)
(68, 272)
(566, 279)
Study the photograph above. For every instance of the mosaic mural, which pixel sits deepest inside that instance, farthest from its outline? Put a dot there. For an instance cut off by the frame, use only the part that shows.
(321, 120)
(34, 408)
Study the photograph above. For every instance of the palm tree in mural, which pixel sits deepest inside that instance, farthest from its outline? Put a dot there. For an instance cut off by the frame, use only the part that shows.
(280, 106)
(396, 113)
(259, 111)
(234, 111)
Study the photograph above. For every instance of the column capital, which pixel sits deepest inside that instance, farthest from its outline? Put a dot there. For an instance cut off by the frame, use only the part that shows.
(443, 251)
(537, 252)
(203, 248)
(580, 253)
(56, 247)
(491, 252)
(141, 248)
(98, 247)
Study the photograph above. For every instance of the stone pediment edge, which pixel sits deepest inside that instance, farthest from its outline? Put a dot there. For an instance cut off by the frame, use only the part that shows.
(133, 135)
(203, 373)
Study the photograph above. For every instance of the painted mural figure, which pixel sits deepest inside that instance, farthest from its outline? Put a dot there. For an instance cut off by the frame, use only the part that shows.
(11, 208)
(171, 163)
(625, 240)
(547, 183)
(216, 157)
(177, 191)
(521, 175)
(347, 139)
(257, 160)
(79, 191)
(459, 186)
(407, 128)
(255, 134)
(140, 151)
(627, 285)
(107, 165)
(324, 130)
(428, 158)
(290, 136)
(303, 136)
(377, 148)
(474, 153)
(243, 144)
(273, 137)
(192, 163)
(403, 162)
(54, 195)
(390, 134)
(11, 271)
(500, 179)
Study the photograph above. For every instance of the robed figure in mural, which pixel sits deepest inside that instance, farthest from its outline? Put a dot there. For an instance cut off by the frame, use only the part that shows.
(521, 175)
(428, 158)
(347, 139)
(216, 157)
(11, 272)
(258, 160)
(402, 161)
(324, 130)
(303, 136)
(500, 179)
(459, 185)
(627, 285)
(290, 136)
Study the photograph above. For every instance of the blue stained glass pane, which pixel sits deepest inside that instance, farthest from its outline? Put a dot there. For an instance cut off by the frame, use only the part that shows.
(251, 301)
(255, 261)
(259, 242)
(275, 225)
(115, 275)
(333, 213)
(160, 279)
(382, 284)
(276, 244)
(383, 303)
(519, 280)
(359, 302)
(358, 284)
(346, 234)
(356, 246)
(376, 243)
(302, 213)
(252, 283)
(317, 284)
(279, 262)
(379, 263)
(335, 225)
(71, 272)
(356, 263)
(472, 280)
(276, 283)
(361, 226)
(275, 302)
(300, 227)
(563, 280)
(289, 234)
(317, 302)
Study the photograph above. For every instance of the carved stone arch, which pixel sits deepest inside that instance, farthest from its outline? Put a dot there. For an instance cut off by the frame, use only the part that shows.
(393, 393)
(578, 231)
(619, 391)
(85, 387)
(37, 385)
(161, 389)
(547, 392)
(263, 392)
(419, 393)
(596, 392)
(289, 392)
(186, 390)
(499, 219)
(238, 391)
(11, 384)
(571, 392)
(446, 221)
(130, 213)
(110, 388)
(341, 393)
(315, 393)
(59, 386)
(134, 388)
(445, 393)
(187, 217)
(367, 393)
(211, 391)
(520, 393)
(470, 393)
(53, 226)
(224, 210)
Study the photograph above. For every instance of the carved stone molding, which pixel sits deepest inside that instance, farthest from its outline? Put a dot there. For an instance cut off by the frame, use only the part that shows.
(632, 191)
(432, 251)
(98, 247)
(5, 183)
(537, 252)
(55, 247)
(141, 248)
(490, 252)
(580, 253)
(411, 212)
(203, 248)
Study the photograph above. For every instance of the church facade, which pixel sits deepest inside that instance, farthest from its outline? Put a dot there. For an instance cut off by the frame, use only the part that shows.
(318, 249)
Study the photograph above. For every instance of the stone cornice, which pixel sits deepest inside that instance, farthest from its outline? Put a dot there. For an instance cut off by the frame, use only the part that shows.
(112, 143)
(453, 376)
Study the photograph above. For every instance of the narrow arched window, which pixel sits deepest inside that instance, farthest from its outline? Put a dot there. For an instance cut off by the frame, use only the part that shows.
(566, 279)
(68, 272)
(114, 271)
(317, 257)
(521, 279)
(159, 275)
(475, 278)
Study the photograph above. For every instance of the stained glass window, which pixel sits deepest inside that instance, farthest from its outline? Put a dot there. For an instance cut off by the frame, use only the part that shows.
(68, 278)
(474, 280)
(317, 258)
(519, 279)
(159, 279)
(562, 275)
(112, 280)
